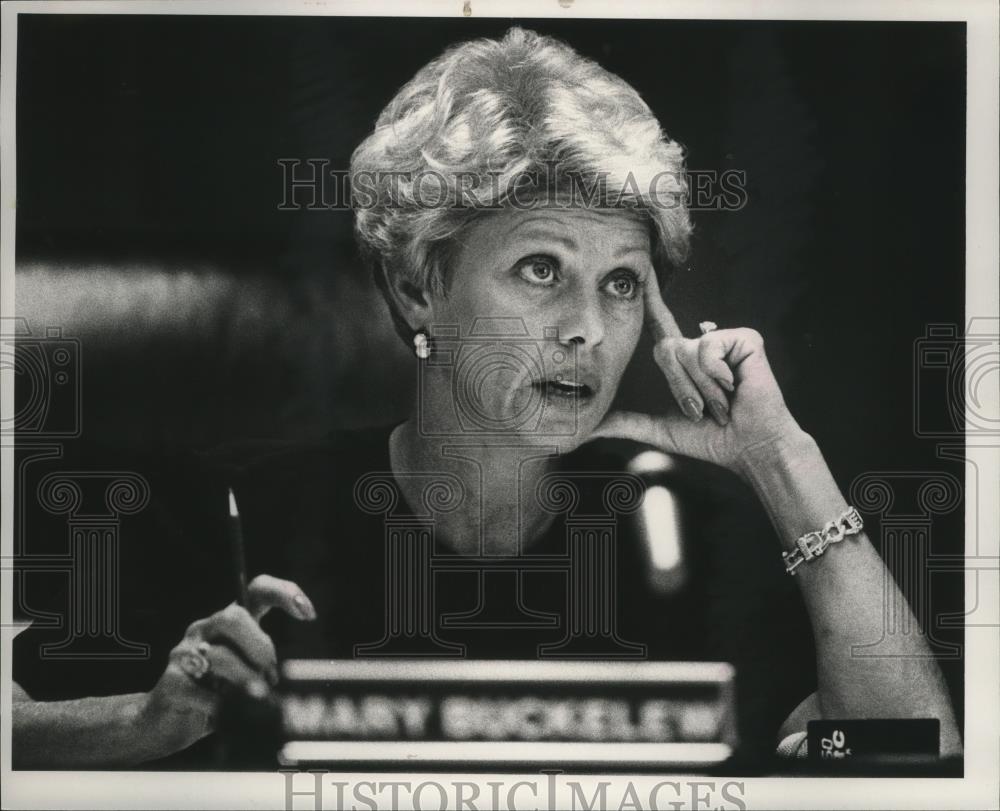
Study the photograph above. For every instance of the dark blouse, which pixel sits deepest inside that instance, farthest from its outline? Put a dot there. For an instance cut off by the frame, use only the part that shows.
(329, 516)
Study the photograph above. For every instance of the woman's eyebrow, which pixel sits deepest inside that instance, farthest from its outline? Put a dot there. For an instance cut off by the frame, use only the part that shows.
(627, 249)
(537, 229)
(546, 234)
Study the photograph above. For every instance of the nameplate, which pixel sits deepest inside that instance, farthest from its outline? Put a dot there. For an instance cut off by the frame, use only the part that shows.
(507, 712)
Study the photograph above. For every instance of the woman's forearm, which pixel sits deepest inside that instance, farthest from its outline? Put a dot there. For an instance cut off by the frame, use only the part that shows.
(845, 593)
(88, 732)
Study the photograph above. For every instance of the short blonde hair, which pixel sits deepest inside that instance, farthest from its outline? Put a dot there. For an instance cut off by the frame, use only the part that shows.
(481, 119)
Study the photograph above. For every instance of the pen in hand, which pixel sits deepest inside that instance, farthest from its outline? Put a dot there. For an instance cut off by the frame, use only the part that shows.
(249, 721)
(236, 550)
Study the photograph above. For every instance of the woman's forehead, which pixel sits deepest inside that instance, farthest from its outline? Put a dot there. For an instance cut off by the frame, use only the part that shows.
(574, 226)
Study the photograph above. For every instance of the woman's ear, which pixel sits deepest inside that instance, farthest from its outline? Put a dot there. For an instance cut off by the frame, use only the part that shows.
(412, 303)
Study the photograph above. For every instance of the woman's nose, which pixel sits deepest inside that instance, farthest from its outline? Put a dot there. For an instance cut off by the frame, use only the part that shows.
(581, 322)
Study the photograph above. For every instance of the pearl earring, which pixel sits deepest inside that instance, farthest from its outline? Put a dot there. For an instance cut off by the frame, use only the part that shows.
(421, 345)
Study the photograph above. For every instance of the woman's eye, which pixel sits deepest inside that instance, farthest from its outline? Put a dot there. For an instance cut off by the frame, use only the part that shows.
(624, 286)
(538, 270)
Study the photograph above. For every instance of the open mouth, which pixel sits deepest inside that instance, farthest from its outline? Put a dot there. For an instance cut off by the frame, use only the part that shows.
(564, 389)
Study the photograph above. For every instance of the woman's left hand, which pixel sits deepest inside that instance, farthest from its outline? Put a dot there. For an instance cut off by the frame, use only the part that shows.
(723, 385)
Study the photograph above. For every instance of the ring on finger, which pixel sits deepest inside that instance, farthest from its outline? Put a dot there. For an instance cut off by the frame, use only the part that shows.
(707, 327)
(196, 664)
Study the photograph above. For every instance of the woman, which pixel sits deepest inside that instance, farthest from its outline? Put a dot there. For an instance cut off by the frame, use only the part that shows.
(517, 199)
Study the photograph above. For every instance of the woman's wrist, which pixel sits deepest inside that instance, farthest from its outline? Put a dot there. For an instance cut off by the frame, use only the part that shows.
(783, 450)
(133, 738)
(792, 480)
(169, 729)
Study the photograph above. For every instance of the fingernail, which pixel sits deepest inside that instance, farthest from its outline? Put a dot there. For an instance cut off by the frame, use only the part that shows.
(305, 607)
(691, 409)
(727, 385)
(719, 411)
(257, 689)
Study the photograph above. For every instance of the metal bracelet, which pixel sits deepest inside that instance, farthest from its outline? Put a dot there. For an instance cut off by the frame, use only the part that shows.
(814, 544)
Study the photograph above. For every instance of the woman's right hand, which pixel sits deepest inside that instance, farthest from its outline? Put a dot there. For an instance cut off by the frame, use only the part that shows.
(227, 650)
(724, 373)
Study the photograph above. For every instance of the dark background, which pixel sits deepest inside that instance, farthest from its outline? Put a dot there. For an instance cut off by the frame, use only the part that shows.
(148, 223)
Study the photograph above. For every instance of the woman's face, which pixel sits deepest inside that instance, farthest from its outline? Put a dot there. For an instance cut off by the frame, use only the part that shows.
(549, 306)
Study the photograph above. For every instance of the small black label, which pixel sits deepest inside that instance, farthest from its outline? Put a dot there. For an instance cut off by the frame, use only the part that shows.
(873, 738)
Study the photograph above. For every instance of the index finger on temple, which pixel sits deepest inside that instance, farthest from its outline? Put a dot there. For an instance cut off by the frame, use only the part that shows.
(661, 320)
